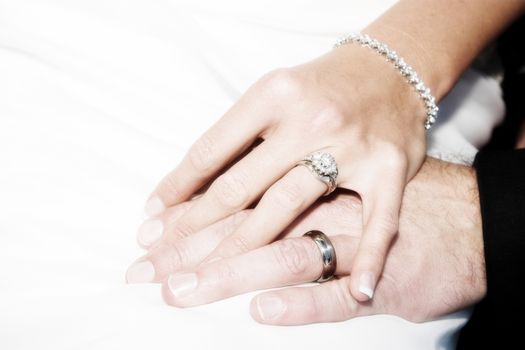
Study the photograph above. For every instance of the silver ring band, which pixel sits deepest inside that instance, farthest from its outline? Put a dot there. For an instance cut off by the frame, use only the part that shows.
(327, 254)
(324, 167)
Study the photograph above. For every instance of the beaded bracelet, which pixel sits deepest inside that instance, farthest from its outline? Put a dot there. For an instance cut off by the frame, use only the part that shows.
(404, 68)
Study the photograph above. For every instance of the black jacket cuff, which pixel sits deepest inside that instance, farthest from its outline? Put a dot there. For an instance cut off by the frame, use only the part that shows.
(501, 182)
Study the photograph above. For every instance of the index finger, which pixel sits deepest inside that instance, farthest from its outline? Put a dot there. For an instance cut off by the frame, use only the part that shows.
(217, 147)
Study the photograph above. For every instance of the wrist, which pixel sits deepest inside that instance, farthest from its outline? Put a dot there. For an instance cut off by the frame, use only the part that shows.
(403, 68)
(450, 193)
(378, 79)
(438, 79)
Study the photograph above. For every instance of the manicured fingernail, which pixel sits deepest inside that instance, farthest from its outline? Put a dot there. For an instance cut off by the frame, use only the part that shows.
(149, 232)
(154, 206)
(367, 284)
(140, 272)
(270, 307)
(182, 284)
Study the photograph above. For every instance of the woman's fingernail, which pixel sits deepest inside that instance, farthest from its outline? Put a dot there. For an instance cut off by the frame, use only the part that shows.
(154, 206)
(367, 284)
(182, 284)
(140, 272)
(150, 231)
(270, 307)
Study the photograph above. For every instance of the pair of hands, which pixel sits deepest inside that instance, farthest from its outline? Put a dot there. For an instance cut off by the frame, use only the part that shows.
(337, 104)
(349, 103)
(435, 265)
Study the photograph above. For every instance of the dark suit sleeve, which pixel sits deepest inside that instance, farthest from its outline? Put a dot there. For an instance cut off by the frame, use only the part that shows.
(498, 318)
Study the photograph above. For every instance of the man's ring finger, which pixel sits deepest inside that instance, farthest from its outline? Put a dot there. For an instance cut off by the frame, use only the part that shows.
(327, 254)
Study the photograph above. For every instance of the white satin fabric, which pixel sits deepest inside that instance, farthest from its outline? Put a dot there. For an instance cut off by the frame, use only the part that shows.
(98, 100)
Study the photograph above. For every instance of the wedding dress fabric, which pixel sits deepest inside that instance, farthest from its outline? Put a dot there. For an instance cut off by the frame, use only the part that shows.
(98, 100)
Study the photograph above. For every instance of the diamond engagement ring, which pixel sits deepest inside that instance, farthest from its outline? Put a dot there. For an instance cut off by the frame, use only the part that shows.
(324, 167)
(327, 254)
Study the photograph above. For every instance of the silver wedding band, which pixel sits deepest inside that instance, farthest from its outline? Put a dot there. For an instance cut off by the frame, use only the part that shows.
(327, 254)
(324, 167)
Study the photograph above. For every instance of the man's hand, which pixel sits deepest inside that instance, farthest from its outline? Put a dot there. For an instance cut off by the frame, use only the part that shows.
(435, 266)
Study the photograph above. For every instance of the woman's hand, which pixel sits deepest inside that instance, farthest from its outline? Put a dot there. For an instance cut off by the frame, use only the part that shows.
(349, 103)
(435, 266)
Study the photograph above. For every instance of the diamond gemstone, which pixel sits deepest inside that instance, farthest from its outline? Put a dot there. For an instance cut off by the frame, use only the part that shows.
(392, 56)
(324, 164)
(420, 86)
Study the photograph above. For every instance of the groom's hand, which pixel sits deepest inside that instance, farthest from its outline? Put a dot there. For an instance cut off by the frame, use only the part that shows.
(435, 266)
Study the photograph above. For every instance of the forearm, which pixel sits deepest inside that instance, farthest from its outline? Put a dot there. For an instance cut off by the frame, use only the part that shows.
(441, 38)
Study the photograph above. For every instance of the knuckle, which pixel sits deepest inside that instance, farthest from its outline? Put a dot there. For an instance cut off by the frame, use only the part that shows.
(394, 156)
(329, 117)
(201, 156)
(349, 214)
(172, 184)
(223, 279)
(179, 231)
(292, 255)
(225, 272)
(230, 190)
(239, 217)
(233, 222)
(178, 256)
(281, 82)
(287, 196)
(240, 243)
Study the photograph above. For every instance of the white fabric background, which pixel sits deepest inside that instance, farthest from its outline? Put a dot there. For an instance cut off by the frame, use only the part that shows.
(98, 100)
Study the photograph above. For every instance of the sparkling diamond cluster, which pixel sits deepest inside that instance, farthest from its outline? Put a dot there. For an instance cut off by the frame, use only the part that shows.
(403, 67)
(323, 163)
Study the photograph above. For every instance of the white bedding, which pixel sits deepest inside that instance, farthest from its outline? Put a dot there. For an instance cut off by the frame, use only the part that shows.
(98, 100)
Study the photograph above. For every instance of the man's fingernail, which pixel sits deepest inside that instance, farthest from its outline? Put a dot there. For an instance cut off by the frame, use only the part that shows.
(182, 284)
(270, 307)
(367, 284)
(154, 206)
(149, 232)
(140, 272)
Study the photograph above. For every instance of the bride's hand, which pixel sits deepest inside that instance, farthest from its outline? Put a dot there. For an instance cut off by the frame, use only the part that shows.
(350, 103)
(435, 265)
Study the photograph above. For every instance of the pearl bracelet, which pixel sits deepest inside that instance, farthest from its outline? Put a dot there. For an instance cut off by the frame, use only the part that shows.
(403, 67)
